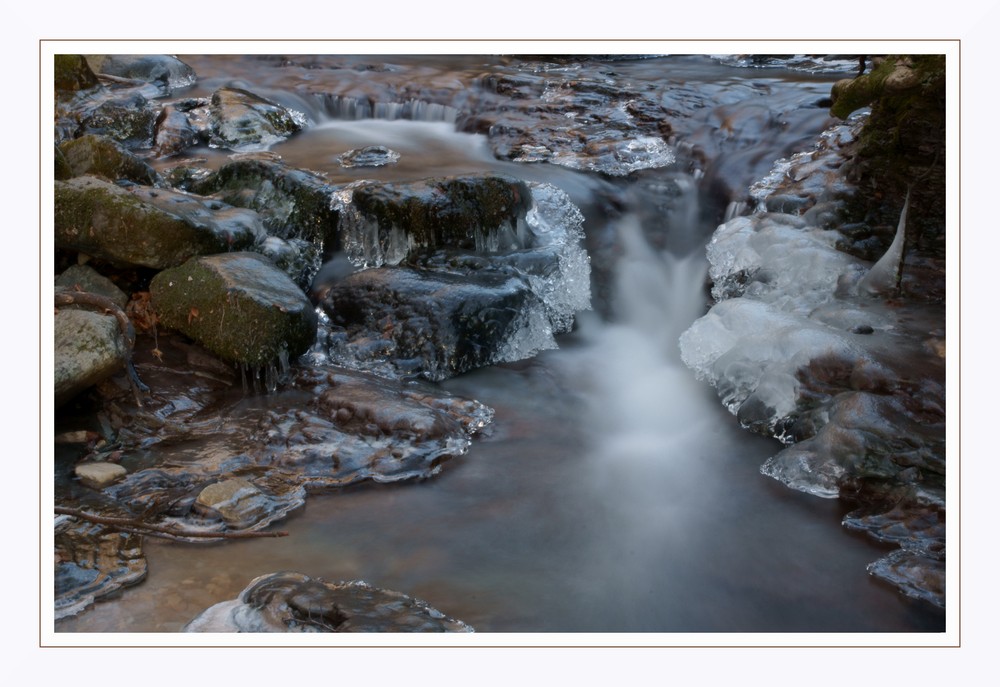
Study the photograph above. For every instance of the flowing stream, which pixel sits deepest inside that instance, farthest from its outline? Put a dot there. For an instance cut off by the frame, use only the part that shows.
(612, 492)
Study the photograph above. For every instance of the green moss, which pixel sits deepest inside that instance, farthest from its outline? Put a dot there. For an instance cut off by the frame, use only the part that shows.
(72, 73)
(902, 144)
(238, 305)
(101, 219)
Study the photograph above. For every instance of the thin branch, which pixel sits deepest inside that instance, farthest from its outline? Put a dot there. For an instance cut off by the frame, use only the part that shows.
(139, 527)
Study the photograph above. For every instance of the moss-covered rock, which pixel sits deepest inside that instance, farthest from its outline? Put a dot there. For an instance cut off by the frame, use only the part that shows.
(88, 349)
(241, 120)
(238, 305)
(902, 144)
(103, 157)
(112, 223)
(72, 73)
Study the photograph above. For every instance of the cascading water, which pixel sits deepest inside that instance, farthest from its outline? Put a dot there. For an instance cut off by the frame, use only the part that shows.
(612, 492)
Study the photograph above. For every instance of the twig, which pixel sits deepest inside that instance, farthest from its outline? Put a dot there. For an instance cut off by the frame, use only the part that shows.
(139, 527)
(124, 324)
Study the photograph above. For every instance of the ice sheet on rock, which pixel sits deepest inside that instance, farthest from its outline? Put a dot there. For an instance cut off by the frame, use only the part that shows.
(543, 251)
(618, 158)
(780, 260)
(749, 349)
(293, 602)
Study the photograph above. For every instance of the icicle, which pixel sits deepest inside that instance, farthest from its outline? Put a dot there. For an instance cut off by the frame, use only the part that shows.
(884, 275)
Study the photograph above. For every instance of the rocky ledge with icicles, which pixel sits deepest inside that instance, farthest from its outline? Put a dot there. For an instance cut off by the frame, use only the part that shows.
(840, 358)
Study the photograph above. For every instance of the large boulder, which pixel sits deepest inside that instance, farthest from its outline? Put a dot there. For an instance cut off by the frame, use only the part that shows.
(88, 349)
(243, 121)
(238, 305)
(402, 321)
(166, 70)
(103, 157)
(128, 228)
(293, 602)
(385, 223)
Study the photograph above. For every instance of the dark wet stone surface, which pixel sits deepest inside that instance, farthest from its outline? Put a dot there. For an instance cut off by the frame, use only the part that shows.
(240, 120)
(92, 562)
(293, 602)
(435, 324)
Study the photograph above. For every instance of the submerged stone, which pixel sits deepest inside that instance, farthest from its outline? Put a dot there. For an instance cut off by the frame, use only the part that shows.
(99, 475)
(369, 156)
(129, 229)
(293, 602)
(238, 305)
(92, 562)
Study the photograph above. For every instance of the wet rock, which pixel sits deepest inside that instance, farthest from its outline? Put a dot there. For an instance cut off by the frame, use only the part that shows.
(241, 120)
(914, 574)
(88, 349)
(293, 602)
(369, 156)
(293, 204)
(237, 501)
(295, 257)
(161, 69)
(99, 475)
(385, 223)
(323, 428)
(174, 132)
(72, 73)
(239, 306)
(128, 229)
(403, 321)
(86, 278)
(127, 117)
(102, 157)
(92, 562)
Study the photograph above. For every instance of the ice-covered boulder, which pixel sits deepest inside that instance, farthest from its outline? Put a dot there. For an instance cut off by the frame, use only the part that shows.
(838, 357)
(470, 272)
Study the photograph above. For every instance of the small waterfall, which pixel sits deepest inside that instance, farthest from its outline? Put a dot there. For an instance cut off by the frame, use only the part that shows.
(354, 108)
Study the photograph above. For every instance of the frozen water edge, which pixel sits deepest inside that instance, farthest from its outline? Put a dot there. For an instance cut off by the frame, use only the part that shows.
(802, 345)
